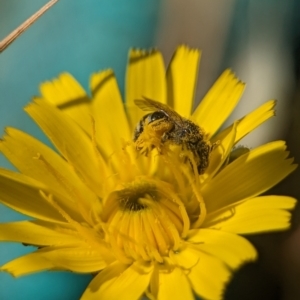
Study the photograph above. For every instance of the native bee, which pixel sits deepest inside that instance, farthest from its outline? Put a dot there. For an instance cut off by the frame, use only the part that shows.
(164, 125)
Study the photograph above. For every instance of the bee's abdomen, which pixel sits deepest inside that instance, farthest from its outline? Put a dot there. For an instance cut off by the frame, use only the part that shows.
(203, 152)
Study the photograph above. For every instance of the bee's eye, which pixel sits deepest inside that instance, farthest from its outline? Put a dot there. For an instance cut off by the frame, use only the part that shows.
(157, 115)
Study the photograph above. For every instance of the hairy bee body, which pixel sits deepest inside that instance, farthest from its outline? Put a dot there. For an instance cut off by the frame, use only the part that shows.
(166, 125)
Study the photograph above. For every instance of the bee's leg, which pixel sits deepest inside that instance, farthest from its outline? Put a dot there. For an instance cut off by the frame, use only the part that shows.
(215, 145)
(189, 156)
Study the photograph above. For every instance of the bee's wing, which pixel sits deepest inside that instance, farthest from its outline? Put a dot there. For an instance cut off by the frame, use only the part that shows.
(147, 104)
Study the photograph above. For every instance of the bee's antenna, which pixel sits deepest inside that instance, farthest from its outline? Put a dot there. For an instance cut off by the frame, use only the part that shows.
(19, 30)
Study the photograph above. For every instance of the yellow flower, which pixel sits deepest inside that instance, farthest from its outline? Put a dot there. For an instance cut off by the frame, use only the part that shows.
(144, 225)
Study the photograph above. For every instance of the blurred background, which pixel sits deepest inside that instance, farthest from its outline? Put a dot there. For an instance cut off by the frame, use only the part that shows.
(258, 39)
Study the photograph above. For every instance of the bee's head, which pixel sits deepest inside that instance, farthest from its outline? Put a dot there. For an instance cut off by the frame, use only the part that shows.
(148, 119)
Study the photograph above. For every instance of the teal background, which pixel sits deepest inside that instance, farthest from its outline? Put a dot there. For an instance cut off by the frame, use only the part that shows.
(80, 37)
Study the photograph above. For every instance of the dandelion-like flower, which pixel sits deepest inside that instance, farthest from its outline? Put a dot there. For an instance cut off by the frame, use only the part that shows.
(144, 222)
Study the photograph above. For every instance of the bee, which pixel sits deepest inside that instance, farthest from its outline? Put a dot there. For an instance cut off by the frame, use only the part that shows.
(164, 125)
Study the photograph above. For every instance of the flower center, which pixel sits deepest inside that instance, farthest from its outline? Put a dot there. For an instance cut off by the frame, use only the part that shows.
(136, 196)
(145, 220)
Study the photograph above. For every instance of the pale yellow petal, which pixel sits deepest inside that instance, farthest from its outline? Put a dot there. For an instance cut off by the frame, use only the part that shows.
(209, 277)
(75, 146)
(248, 176)
(182, 77)
(37, 233)
(219, 102)
(36, 160)
(232, 249)
(22, 194)
(111, 124)
(261, 214)
(174, 285)
(145, 78)
(118, 281)
(68, 95)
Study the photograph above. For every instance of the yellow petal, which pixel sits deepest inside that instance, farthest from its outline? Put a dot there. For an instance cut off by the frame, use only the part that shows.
(37, 233)
(22, 194)
(68, 95)
(82, 258)
(232, 249)
(255, 118)
(248, 176)
(174, 285)
(185, 258)
(182, 77)
(261, 214)
(118, 281)
(27, 264)
(209, 277)
(145, 78)
(75, 146)
(221, 151)
(219, 102)
(61, 90)
(35, 160)
(111, 122)
(252, 120)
